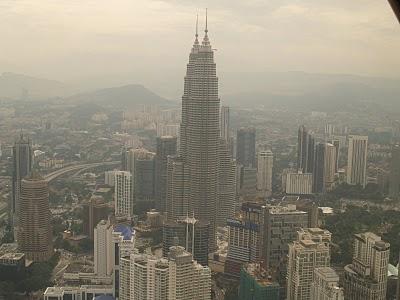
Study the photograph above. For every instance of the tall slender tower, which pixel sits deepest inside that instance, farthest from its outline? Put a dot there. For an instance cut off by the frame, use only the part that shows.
(200, 132)
(305, 150)
(22, 167)
(357, 160)
(264, 172)
(224, 123)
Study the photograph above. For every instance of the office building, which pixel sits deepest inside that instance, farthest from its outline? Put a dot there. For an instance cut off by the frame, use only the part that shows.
(189, 233)
(245, 238)
(224, 127)
(256, 284)
(144, 178)
(357, 160)
(299, 183)
(394, 175)
(123, 194)
(265, 163)
(246, 147)
(226, 184)
(199, 137)
(165, 146)
(305, 150)
(324, 167)
(145, 277)
(34, 230)
(366, 277)
(281, 226)
(325, 285)
(308, 252)
(22, 167)
(94, 211)
(248, 182)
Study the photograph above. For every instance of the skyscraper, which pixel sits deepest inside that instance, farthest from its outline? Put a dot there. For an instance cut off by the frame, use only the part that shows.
(224, 125)
(34, 230)
(310, 251)
(143, 178)
(394, 176)
(264, 172)
(226, 184)
(22, 167)
(103, 259)
(246, 147)
(305, 150)
(324, 167)
(123, 197)
(166, 145)
(366, 277)
(357, 160)
(199, 138)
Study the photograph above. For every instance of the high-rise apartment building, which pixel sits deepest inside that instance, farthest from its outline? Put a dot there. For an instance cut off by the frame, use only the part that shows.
(394, 175)
(189, 233)
(308, 252)
(199, 137)
(34, 230)
(305, 150)
(123, 194)
(256, 284)
(366, 277)
(281, 226)
(94, 211)
(103, 258)
(145, 277)
(324, 167)
(22, 167)
(325, 285)
(265, 163)
(165, 146)
(357, 160)
(224, 127)
(246, 147)
(226, 184)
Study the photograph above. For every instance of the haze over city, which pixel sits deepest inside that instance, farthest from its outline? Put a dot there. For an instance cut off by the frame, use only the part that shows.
(94, 44)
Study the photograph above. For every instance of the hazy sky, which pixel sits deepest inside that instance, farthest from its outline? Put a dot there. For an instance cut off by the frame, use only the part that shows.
(73, 39)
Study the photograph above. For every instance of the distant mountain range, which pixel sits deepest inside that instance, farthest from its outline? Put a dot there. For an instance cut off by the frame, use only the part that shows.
(291, 90)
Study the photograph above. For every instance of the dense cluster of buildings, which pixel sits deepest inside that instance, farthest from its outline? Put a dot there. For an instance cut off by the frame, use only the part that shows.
(198, 180)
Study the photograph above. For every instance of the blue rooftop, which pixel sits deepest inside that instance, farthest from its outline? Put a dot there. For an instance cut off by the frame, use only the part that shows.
(126, 231)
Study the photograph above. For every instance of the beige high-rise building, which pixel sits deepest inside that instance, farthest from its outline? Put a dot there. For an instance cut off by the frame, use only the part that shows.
(146, 277)
(325, 285)
(366, 277)
(357, 160)
(264, 172)
(310, 251)
(34, 232)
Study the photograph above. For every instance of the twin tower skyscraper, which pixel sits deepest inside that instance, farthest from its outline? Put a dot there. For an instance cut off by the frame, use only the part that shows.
(194, 176)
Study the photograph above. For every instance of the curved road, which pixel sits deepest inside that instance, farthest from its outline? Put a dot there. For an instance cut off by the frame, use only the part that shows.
(53, 175)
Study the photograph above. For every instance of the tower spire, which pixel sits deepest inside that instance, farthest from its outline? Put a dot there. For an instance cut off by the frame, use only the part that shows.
(206, 41)
(196, 40)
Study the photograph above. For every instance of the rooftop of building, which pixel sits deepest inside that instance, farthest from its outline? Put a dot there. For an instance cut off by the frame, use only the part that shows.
(259, 274)
(126, 231)
(13, 256)
(285, 210)
(8, 248)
